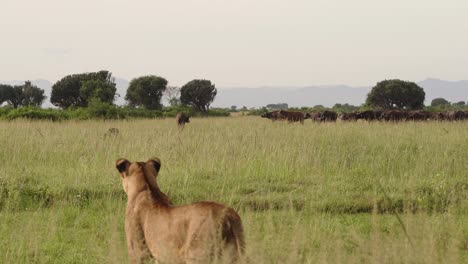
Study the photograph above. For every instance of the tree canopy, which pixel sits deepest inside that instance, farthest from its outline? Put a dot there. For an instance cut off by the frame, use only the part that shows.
(146, 91)
(79, 89)
(31, 95)
(345, 108)
(396, 94)
(21, 95)
(198, 94)
(439, 102)
(279, 106)
(6, 92)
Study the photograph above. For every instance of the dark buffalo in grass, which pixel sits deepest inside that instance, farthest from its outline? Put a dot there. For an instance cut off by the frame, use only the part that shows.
(394, 115)
(328, 116)
(273, 115)
(369, 115)
(292, 116)
(182, 119)
(454, 115)
(348, 116)
(418, 115)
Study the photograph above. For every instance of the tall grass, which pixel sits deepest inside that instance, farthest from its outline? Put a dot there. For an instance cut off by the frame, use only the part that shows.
(307, 193)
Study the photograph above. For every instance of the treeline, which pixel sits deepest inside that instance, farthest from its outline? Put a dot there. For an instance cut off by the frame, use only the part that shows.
(385, 95)
(99, 110)
(92, 95)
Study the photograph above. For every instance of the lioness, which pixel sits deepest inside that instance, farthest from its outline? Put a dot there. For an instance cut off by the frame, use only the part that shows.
(197, 233)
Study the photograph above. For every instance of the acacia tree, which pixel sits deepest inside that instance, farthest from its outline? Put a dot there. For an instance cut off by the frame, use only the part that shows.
(146, 91)
(199, 94)
(79, 89)
(396, 94)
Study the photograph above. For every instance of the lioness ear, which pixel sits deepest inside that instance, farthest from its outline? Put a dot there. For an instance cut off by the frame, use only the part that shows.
(122, 165)
(156, 163)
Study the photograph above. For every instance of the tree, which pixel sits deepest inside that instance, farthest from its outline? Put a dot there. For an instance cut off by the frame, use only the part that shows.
(79, 89)
(319, 108)
(280, 106)
(396, 94)
(199, 94)
(6, 92)
(16, 97)
(146, 91)
(21, 95)
(439, 102)
(99, 89)
(344, 108)
(31, 95)
(460, 103)
(172, 95)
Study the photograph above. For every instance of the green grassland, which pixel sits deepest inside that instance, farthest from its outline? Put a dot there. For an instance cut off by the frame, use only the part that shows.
(314, 193)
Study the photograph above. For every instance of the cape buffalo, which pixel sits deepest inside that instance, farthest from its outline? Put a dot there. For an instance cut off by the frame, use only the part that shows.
(274, 115)
(394, 115)
(292, 116)
(328, 116)
(182, 119)
(418, 115)
(454, 115)
(315, 116)
(369, 115)
(348, 116)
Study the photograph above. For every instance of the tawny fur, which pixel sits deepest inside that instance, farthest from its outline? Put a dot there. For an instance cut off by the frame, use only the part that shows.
(202, 232)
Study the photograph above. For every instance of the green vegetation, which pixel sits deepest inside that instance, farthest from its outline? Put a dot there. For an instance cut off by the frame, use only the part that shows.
(99, 110)
(199, 94)
(146, 91)
(77, 90)
(313, 193)
(396, 94)
(439, 102)
(21, 95)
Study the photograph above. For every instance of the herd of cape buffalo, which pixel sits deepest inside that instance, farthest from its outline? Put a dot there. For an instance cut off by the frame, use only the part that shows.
(389, 115)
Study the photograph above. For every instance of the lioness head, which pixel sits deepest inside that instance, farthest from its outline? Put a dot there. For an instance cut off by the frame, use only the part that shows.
(137, 176)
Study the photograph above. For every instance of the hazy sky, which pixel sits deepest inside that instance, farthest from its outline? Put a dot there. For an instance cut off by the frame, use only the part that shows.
(237, 42)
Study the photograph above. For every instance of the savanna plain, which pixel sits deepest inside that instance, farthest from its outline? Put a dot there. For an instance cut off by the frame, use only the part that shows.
(315, 193)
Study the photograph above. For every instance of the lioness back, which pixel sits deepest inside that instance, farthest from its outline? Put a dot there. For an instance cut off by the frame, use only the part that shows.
(203, 232)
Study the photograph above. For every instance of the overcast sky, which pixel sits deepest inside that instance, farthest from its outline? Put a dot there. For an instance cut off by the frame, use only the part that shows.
(237, 42)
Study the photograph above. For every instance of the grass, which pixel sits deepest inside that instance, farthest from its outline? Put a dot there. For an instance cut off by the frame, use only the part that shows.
(306, 194)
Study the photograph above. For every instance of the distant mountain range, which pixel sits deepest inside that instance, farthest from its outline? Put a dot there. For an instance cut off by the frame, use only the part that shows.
(326, 95)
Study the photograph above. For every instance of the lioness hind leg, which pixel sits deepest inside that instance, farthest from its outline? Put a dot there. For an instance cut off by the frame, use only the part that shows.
(138, 251)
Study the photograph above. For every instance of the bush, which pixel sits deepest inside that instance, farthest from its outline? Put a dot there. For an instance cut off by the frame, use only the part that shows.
(257, 112)
(100, 110)
(32, 113)
(214, 112)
